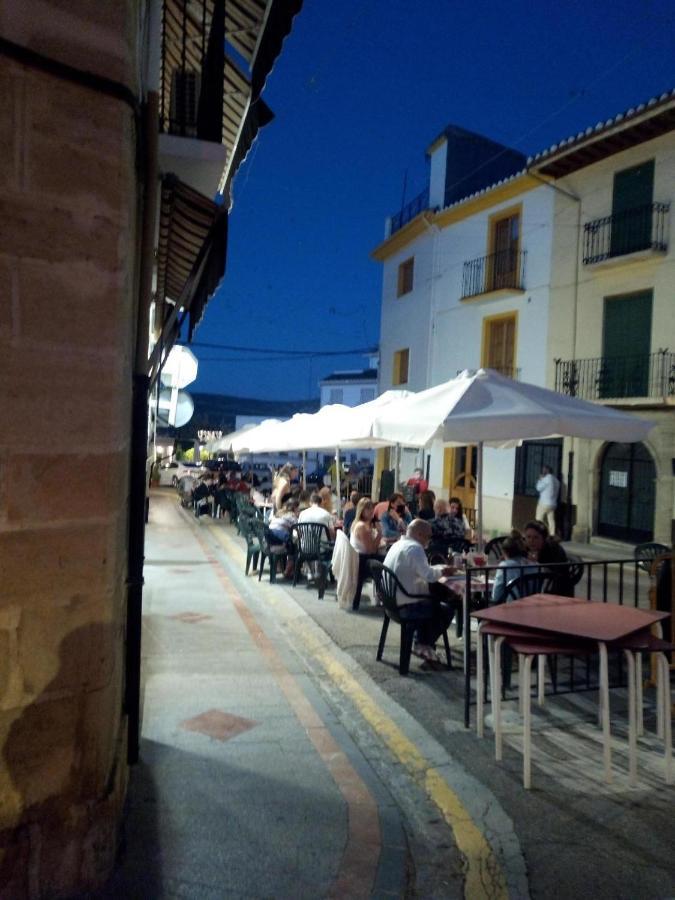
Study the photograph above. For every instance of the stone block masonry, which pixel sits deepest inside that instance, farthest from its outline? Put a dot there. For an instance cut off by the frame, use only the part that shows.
(68, 276)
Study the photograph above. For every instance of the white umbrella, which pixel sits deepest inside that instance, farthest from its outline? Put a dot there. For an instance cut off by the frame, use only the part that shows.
(224, 444)
(486, 407)
(257, 439)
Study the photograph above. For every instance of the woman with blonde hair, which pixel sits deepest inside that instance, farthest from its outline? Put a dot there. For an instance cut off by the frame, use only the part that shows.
(365, 536)
(281, 489)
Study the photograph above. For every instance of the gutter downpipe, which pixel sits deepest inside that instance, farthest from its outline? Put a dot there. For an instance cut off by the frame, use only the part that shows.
(139, 432)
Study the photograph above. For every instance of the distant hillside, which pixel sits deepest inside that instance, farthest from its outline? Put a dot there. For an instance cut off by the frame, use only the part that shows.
(217, 412)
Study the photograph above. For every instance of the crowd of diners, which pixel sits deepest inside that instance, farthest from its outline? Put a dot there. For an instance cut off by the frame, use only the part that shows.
(384, 531)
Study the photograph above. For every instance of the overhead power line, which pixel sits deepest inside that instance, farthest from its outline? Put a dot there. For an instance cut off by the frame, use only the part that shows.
(278, 351)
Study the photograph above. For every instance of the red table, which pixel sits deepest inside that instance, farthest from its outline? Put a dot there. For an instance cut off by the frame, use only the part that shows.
(553, 615)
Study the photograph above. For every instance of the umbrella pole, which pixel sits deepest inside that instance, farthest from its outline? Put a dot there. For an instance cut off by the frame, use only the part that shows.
(479, 495)
(337, 479)
(304, 470)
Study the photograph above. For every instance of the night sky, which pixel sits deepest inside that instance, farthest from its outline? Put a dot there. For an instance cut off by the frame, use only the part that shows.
(359, 92)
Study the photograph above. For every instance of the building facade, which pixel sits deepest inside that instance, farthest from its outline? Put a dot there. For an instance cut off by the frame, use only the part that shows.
(611, 332)
(558, 274)
(467, 285)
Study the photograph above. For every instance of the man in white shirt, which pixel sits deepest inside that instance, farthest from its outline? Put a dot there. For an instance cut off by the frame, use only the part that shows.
(408, 561)
(548, 487)
(316, 513)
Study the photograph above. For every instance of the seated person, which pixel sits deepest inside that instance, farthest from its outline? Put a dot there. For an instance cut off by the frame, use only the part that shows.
(407, 559)
(365, 538)
(514, 564)
(316, 513)
(447, 531)
(396, 519)
(201, 496)
(281, 527)
(418, 482)
(545, 550)
(327, 499)
(281, 523)
(349, 511)
(304, 501)
(425, 508)
(186, 486)
(455, 509)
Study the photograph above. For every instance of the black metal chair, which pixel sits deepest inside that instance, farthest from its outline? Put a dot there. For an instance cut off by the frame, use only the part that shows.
(493, 549)
(252, 544)
(575, 569)
(313, 543)
(269, 548)
(386, 587)
(645, 554)
(540, 582)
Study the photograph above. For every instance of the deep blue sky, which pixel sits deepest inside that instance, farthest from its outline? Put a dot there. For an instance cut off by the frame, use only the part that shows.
(360, 90)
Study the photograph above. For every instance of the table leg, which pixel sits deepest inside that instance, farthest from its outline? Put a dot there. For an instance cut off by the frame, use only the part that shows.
(541, 678)
(480, 687)
(639, 698)
(667, 716)
(604, 699)
(632, 738)
(496, 688)
(526, 688)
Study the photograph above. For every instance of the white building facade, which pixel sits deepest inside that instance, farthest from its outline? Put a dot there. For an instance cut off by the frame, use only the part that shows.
(559, 274)
(464, 286)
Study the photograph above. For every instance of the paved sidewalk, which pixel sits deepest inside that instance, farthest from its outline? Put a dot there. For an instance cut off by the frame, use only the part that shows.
(247, 785)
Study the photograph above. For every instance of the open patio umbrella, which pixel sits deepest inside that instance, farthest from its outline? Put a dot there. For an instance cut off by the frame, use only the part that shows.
(224, 444)
(484, 407)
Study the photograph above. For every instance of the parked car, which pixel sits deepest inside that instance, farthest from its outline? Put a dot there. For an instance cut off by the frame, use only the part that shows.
(170, 473)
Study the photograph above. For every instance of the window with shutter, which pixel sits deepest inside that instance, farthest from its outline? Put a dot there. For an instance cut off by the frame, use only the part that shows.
(400, 368)
(405, 277)
(499, 344)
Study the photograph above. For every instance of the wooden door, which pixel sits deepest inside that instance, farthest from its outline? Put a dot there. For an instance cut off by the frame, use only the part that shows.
(459, 474)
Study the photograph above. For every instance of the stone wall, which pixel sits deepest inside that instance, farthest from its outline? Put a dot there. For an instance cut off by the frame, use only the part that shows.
(68, 273)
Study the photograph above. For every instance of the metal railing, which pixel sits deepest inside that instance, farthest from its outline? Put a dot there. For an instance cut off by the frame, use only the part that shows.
(192, 70)
(409, 211)
(494, 272)
(601, 581)
(630, 231)
(604, 378)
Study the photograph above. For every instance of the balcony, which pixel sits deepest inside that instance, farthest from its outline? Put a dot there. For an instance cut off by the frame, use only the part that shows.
(649, 375)
(409, 211)
(638, 230)
(501, 271)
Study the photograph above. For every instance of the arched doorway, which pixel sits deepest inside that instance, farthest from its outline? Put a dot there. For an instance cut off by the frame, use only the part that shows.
(627, 493)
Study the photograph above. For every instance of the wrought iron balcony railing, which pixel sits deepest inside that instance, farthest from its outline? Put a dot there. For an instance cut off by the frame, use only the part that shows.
(504, 269)
(409, 211)
(642, 228)
(617, 377)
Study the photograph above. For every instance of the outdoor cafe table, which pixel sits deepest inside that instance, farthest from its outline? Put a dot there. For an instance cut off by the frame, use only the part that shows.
(570, 617)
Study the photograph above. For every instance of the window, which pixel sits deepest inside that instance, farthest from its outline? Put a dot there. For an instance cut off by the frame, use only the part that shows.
(367, 394)
(335, 395)
(405, 277)
(499, 344)
(401, 362)
(503, 270)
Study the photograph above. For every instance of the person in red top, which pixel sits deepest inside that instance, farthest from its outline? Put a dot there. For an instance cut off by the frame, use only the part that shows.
(418, 482)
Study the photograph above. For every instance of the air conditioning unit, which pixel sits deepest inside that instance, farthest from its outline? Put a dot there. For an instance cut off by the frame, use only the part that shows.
(185, 87)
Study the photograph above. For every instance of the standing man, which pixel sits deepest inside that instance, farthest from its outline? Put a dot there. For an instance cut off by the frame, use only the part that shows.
(548, 488)
(408, 561)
